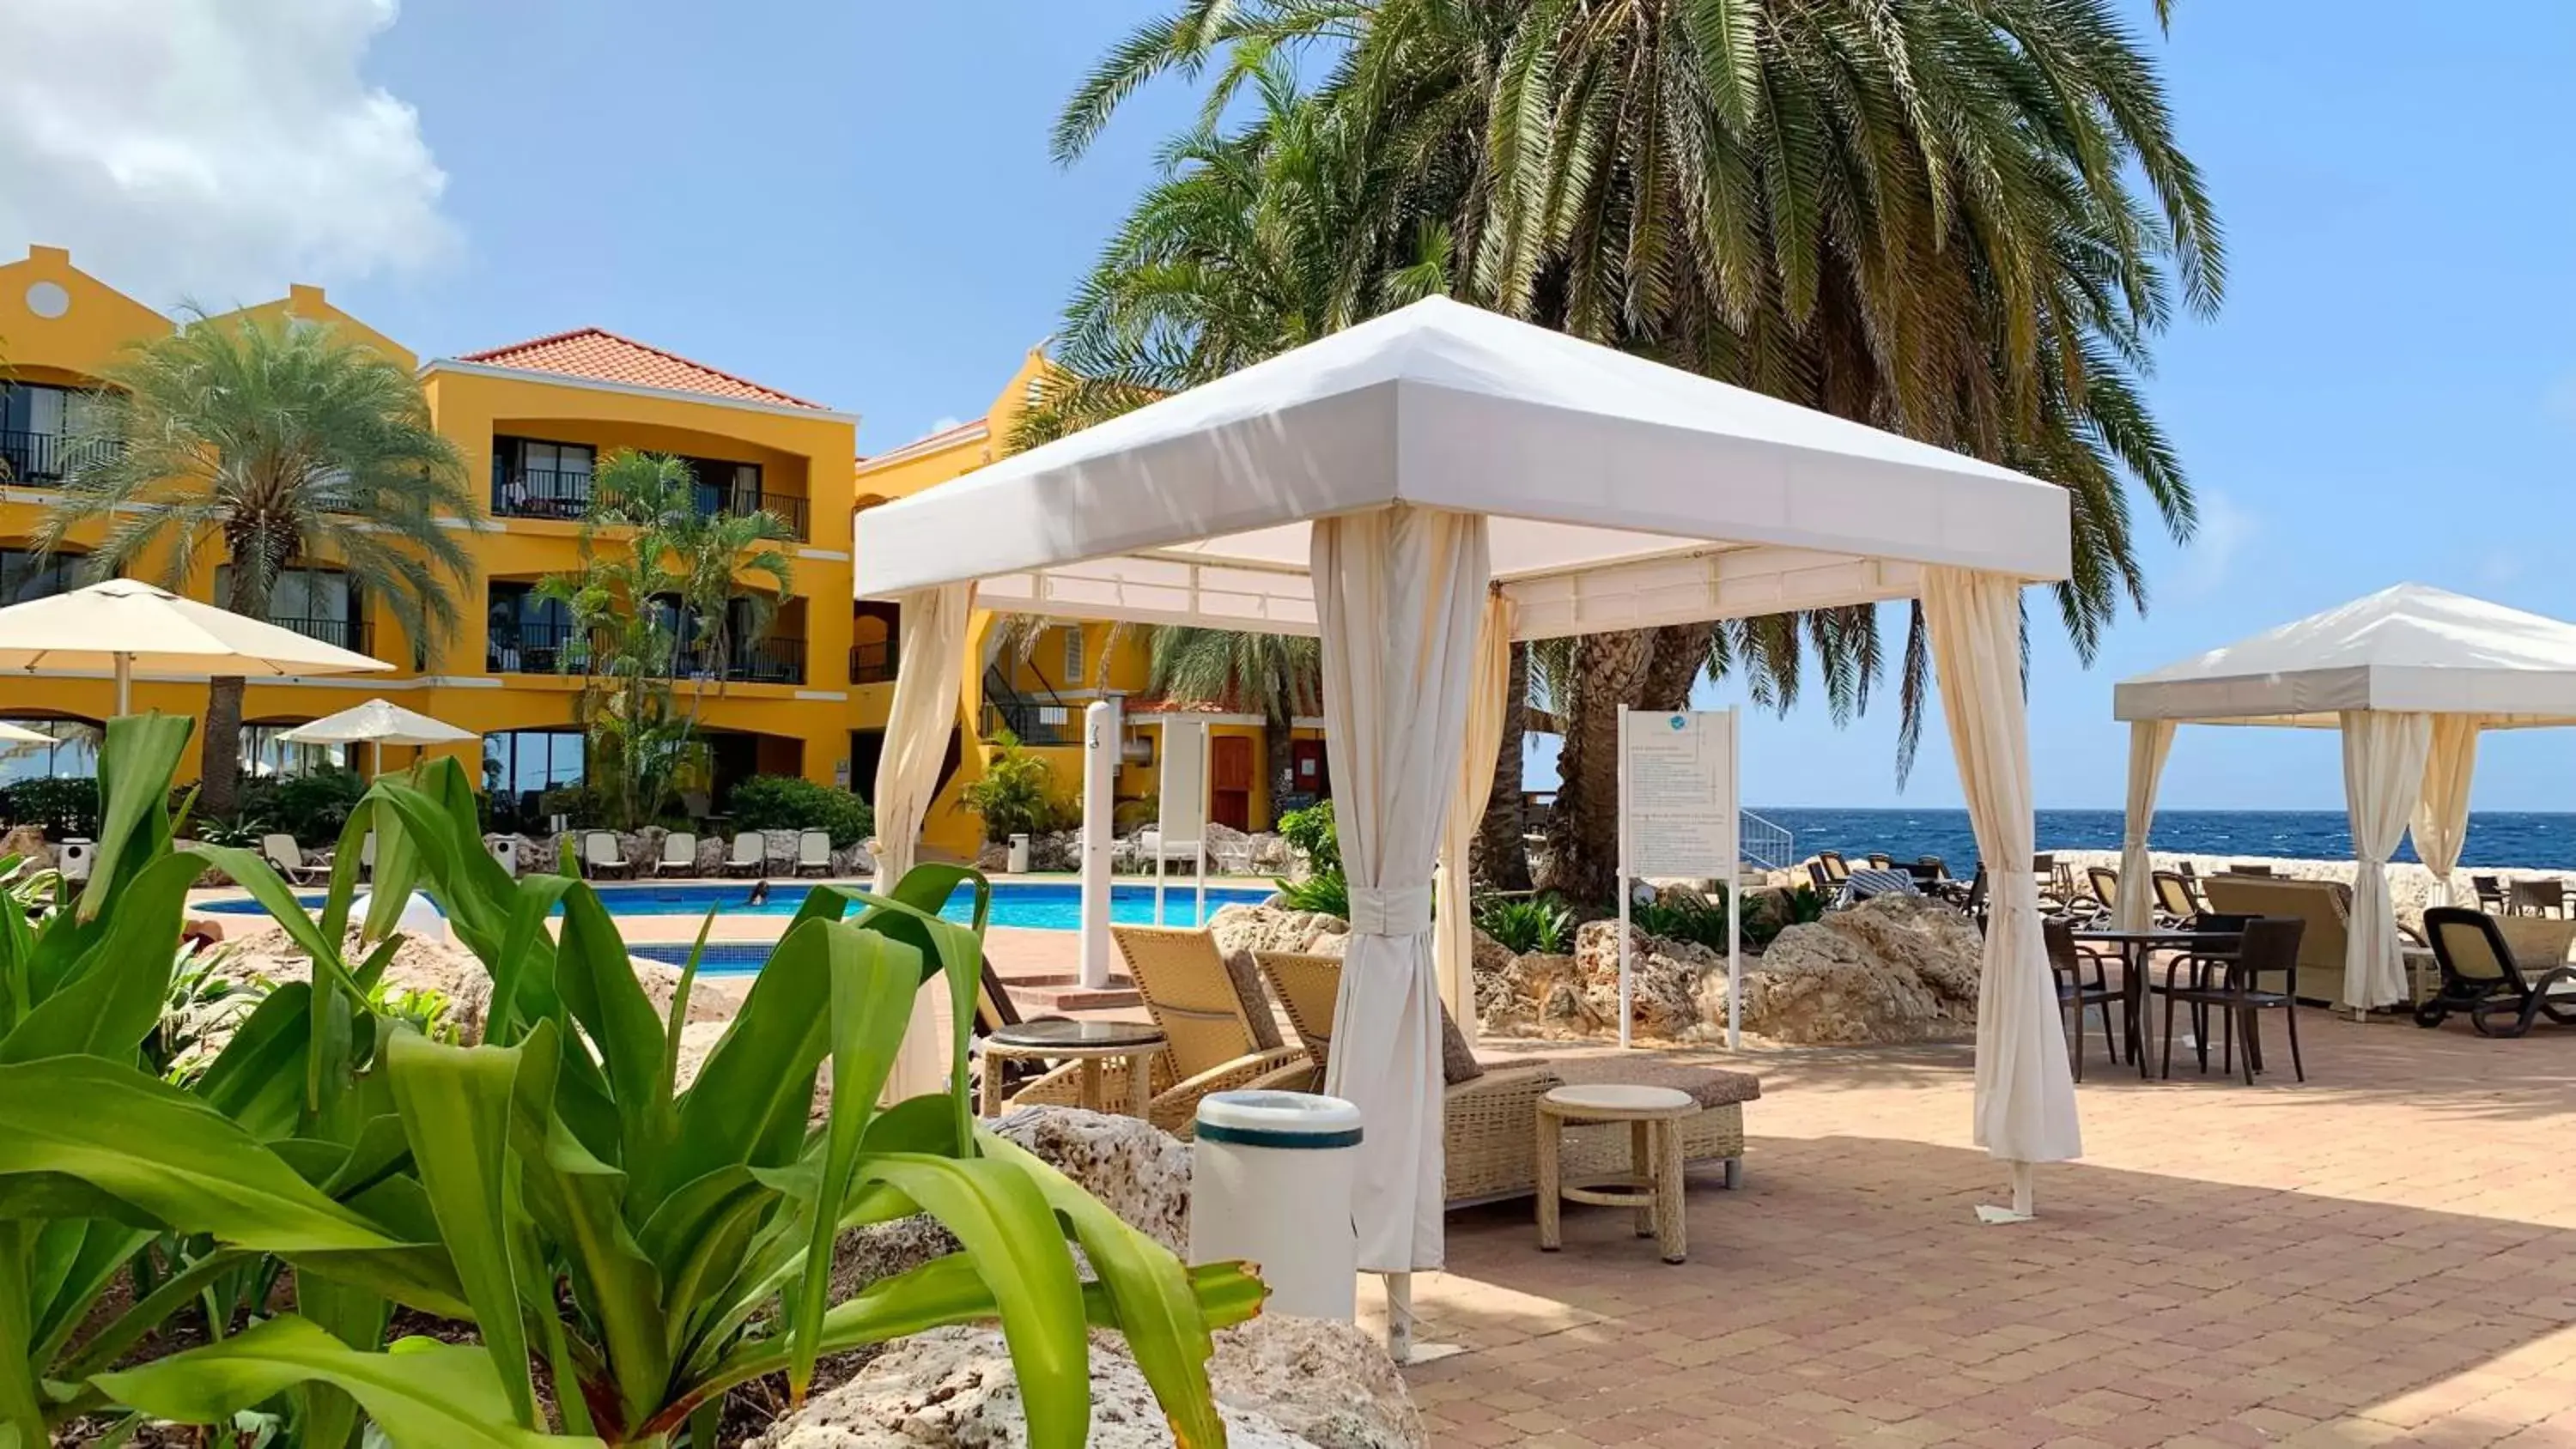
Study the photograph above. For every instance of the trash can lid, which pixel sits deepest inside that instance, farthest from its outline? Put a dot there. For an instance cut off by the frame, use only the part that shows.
(1294, 1120)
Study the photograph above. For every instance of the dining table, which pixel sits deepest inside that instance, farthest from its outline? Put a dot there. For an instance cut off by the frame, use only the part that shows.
(2137, 957)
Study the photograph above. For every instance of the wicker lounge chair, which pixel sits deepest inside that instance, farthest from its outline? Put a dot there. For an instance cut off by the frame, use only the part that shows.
(600, 856)
(679, 854)
(1215, 1045)
(750, 854)
(1489, 1127)
(280, 850)
(2481, 977)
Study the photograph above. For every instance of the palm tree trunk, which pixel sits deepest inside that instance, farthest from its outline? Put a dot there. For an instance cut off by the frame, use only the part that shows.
(1583, 831)
(219, 760)
(1501, 858)
(1279, 757)
(1681, 655)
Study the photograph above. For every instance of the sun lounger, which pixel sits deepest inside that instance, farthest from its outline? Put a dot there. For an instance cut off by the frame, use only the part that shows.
(679, 854)
(601, 857)
(1489, 1112)
(814, 852)
(750, 854)
(2325, 905)
(2481, 977)
(281, 851)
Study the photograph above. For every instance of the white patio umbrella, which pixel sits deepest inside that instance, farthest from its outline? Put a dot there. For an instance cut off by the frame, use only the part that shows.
(16, 736)
(124, 625)
(2411, 675)
(1376, 488)
(378, 722)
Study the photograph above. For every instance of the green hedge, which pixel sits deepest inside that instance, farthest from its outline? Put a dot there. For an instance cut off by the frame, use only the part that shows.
(63, 805)
(791, 802)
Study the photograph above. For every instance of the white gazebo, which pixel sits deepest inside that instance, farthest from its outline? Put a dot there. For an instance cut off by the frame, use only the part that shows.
(2411, 675)
(378, 723)
(1418, 491)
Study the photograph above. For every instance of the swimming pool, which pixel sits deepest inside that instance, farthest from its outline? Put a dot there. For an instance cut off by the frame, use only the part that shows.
(1038, 905)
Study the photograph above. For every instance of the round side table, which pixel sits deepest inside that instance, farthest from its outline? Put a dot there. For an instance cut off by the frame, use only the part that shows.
(1089, 1042)
(1653, 1186)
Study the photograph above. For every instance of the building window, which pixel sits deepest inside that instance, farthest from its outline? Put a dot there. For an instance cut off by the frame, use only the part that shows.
(520, 766)
(316, 603)
(1073, 657)
(266, 756)
(25, 575)
(74, 751)
(37, 424)
(534, 479)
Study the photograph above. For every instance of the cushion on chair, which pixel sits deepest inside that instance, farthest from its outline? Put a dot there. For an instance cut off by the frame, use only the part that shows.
(1246, 975)
(1708, 1086)
(1457, 1059)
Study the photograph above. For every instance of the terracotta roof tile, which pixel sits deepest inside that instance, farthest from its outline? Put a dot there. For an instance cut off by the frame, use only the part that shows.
(603, 356)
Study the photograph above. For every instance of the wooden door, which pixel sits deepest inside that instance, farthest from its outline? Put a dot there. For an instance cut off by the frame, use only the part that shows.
(1230, 781)
(1307, 773)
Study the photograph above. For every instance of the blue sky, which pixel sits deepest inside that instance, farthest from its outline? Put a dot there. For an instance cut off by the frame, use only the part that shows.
(854, 203)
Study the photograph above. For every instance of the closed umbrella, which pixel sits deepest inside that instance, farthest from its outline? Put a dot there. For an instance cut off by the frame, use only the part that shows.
(124, 625)
(378, 722)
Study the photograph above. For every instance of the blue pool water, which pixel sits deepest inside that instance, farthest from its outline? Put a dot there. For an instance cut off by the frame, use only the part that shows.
(1044, 906)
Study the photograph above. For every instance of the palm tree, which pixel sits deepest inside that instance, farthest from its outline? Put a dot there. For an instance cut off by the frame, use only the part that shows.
(1276, 676)
(1963, 220)
(286, 446)
(705, 557)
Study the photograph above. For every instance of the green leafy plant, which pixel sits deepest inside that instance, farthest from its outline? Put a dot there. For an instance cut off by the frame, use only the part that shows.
(792, 802)
(1017, 794)
(1525, 924)
(1328, 892)
(1682, 919)
(207, 1002)
(61, 805)
(313, 807)
(1311, 833)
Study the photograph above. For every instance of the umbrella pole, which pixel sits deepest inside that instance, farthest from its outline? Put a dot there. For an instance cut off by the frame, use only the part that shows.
(125, 684)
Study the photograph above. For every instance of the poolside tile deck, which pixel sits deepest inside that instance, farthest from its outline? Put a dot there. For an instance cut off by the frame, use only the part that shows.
(2384, 1255)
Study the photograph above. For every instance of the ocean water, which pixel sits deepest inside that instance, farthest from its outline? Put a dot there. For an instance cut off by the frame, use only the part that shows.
(2496, 837)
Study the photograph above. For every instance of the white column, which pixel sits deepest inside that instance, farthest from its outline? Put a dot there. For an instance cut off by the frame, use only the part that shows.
(1104, 726)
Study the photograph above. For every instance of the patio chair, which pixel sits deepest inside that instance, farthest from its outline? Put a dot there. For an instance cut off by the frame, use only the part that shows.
(2326, 907)
(1208, 1023)
(281, 851)
(2537, 898)
(2490, 889)
(2173, 896)
(1837, 870)
(750, 854)
(1821, 878)
(2191, 882)
(1879, 860)
(2067, 962)
(2232, 989)
(814, 852)
(600, 856)
(2249, 867)
(994, 1010)
(1231, 856)
(2104, 883)
(1489, 1109)
(2481, 977)
(679, 854)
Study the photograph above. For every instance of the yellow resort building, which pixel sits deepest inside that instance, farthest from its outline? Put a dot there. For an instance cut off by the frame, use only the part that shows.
(533, 418)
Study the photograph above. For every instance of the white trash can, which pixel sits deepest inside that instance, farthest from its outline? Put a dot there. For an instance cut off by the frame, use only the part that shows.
(1019, 855)
(75, 857)
(505, 849)
(1270, 1183)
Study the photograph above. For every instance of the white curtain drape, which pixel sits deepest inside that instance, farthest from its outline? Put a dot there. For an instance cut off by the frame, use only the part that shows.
(926, 696)
(1454, 930)
(1399, 596)
(2025, 1102)
(2150, 740)
(2441, 823)
(2383, 778)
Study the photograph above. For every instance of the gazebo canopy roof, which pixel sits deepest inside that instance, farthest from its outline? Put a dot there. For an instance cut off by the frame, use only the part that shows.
(1623, 493)
(378, 721)
(2411, 648)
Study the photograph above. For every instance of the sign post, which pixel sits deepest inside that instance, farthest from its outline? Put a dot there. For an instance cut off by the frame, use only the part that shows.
(1678, 817)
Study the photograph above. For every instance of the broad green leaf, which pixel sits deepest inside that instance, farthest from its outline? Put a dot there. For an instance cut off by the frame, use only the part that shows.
(328, 1024)
(258, 1078)
(423, 1395)
(456, 1107)
(1010, 1234)
(576, 1199)
(596, 979)
(1149, 1290)
(109, 1002)
(21, 1397)
(535, 899)
(134, 768)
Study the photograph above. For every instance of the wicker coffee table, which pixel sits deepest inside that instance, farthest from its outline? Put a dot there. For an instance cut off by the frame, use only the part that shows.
(1088, 1042)
(1653, 1184)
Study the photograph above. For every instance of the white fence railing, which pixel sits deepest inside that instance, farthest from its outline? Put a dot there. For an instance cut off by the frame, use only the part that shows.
(1767, 843)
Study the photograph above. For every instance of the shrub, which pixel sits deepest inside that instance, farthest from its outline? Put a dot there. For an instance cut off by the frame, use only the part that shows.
(64, 805)
(1682, 920)
(1326, 891)
(312, 807)
(1311, 833)
(1525, 924)
(792, 802)
(1017, 795)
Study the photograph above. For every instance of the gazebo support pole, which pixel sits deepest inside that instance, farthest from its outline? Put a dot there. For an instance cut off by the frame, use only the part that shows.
(125, 684)
(2023, 1196)
(1399, 1317)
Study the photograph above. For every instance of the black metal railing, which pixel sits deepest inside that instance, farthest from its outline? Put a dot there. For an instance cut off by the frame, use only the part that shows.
(33, 457)
(536, 647)
(353, 634)
(566, 495)
(1041, 719)
(775, 659)
(872, 663)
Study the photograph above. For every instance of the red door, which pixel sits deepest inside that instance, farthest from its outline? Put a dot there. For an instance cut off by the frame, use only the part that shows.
(1306, 771)
(1230, 782)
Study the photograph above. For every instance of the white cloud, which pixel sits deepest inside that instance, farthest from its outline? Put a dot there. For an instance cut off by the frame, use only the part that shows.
(944, 422)
(2224, 531)
(211, 149)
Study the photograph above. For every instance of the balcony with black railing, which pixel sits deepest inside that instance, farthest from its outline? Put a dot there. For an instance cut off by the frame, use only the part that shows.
(773, 659)
(565, 495)
(535, 647)
(351, 634)
(872, 663)
(41, 457)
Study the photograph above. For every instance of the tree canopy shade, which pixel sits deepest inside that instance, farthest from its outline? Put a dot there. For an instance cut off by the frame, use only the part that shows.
(286, 445)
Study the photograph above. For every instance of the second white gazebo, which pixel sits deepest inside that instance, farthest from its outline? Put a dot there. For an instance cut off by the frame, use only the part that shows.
(1418, 491)
(2411, 675)
(378, 722)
